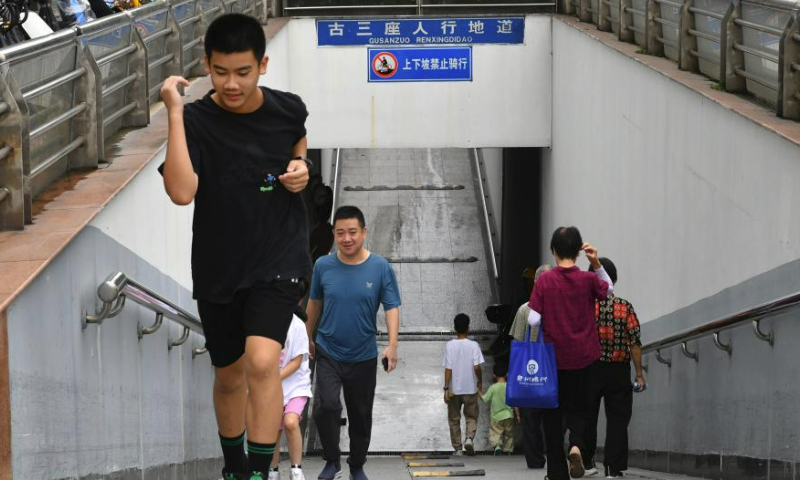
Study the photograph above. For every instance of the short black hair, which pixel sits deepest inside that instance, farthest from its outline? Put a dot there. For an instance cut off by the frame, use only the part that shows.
(499, 370)
(235, 33)
(346, 212)
(566, 242)
(461, 323)
(609, 267)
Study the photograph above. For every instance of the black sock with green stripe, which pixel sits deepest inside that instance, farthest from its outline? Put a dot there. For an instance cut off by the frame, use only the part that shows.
(260, 456)
(233, 452)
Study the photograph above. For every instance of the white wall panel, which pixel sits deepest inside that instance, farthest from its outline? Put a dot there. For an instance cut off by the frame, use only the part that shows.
(506, 105)
(687, 197)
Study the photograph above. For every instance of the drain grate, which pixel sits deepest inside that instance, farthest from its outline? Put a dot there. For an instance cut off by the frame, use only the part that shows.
(396, 188)
(431, 259)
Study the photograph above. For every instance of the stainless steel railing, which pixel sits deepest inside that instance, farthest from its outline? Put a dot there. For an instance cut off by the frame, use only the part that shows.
(748, 46)
(413, 7)
(752, 316)
(335, 183)
(12, 197)
(63, 95)
(118, 288)
(485, 211)
(120, 57)
(158, 29)
(55, 85)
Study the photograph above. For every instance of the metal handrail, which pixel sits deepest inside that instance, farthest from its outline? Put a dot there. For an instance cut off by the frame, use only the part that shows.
(335, 183)
(54, 84)
(66, 116)
(761, 28)
(155, 36)
(754, 315)
(344, 7)
(707, 13)
(69, 148)
(704, 35)
(161, 61)
(124, 52)
(119, 113)
(485, 210)
(120, 285)
(120, 84)
(756, 52)
(484, 5)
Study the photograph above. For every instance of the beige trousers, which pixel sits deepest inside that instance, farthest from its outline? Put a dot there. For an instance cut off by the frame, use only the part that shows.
(502, 434)
(470, 403)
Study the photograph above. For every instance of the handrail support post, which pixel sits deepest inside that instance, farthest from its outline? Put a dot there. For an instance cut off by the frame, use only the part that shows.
(665, 361)
(141, 331)
(687, 353)
(727, 347)
(767, 337)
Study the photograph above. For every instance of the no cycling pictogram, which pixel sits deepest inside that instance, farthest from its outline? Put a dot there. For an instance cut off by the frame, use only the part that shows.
(384, 64)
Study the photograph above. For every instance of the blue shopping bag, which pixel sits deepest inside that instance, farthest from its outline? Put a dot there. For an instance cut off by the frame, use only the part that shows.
(532, 374)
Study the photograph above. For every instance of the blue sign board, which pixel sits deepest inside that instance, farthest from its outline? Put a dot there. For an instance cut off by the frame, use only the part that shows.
(427, 64)
(400, 32)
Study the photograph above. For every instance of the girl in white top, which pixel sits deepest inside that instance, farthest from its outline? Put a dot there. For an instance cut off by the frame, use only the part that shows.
(296, 382)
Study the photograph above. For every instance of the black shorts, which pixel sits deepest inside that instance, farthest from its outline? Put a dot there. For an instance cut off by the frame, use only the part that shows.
(263, 310)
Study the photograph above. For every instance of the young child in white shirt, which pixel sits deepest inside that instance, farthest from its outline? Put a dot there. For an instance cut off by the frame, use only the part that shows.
(296, 382)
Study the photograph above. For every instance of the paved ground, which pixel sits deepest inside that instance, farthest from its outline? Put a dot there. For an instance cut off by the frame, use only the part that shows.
(495, 468)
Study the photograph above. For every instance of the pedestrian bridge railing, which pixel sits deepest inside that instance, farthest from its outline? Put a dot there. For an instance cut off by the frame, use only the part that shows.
(415, 7)
(752, 316)
(747, 46)
(63, 95)
(119, 288)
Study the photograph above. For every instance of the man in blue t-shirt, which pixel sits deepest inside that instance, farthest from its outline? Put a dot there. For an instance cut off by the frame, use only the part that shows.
(347, 288)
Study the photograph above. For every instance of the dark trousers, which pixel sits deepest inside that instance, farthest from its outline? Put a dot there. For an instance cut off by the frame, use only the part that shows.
(532, 436)
(610, 382)
(572, 410)
(358, 382)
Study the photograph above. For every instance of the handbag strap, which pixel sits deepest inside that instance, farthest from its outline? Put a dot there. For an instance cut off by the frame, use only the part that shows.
(539, 338)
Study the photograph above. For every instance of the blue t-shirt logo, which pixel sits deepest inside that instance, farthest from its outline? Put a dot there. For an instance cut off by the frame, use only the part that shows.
(369, 285)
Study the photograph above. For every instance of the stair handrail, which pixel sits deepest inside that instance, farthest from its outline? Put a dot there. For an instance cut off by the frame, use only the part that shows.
(753, 315)
(118, 287)
(485, 213)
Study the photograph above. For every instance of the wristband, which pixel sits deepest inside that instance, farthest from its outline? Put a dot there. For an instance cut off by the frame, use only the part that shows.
(309, 163)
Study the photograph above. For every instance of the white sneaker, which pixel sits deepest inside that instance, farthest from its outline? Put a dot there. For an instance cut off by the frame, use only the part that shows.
(590, 472)
(296, 474)
(274, 475)
(469, 447)
(459, 453)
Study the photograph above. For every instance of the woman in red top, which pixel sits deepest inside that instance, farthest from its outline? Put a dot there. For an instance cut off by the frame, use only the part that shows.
(563, 301)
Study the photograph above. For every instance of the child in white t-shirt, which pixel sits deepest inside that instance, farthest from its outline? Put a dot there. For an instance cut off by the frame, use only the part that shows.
(296, 382)
(462, 380)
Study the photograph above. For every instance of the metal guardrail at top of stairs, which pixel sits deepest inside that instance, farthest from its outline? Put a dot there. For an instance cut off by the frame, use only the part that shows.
(118, 288)
(747, 46)
(64, 94)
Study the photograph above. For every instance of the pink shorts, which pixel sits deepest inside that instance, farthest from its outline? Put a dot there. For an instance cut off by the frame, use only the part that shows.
(296, 406)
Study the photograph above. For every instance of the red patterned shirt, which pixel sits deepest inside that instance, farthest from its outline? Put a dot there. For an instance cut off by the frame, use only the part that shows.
(618, 329)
